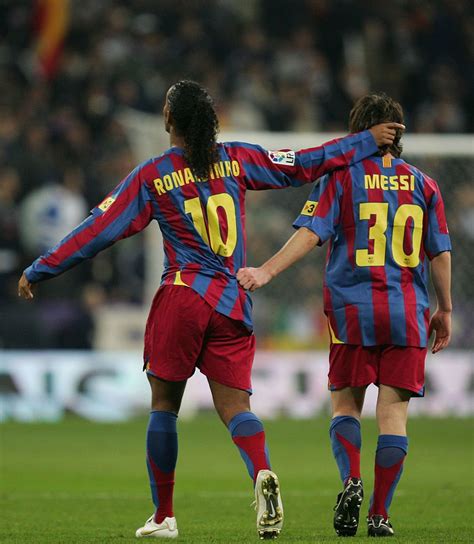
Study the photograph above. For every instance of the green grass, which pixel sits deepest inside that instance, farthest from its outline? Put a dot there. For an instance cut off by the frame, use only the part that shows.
(83, 482)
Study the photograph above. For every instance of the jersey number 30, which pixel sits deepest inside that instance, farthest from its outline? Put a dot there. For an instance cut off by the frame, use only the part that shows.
(212, 235)
(377, 234)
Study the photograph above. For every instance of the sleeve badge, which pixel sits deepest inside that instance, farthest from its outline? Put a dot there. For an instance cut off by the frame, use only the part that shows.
(309, 208)
(286, 158)
(105, 204)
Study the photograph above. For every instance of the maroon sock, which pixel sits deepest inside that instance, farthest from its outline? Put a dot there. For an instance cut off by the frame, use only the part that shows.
(252, 449)
(249, 436)
(391, 453)
(164, 489)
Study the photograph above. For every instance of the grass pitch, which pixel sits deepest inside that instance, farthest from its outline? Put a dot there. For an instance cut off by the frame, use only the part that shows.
(78, 482)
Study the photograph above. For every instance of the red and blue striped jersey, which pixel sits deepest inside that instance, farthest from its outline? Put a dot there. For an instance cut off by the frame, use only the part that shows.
(202, 220)
(384, 220)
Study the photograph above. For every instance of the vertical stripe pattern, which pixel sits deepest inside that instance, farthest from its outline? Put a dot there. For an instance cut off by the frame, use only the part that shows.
(202, 221)
(384, 220)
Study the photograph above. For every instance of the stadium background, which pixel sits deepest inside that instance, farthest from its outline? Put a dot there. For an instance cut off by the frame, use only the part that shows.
(81, 91)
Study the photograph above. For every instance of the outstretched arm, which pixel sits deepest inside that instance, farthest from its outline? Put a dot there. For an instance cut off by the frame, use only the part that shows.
(126, 211)
(441, 320)
(301, 243)
(279, 169)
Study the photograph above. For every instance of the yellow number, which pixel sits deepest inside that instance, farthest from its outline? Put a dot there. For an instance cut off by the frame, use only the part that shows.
(376, 233)
(214, 238)
(193, 207)
(404, 212)
(218, 245)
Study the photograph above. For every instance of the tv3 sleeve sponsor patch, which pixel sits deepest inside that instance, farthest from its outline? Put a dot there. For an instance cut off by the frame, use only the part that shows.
(309, 208)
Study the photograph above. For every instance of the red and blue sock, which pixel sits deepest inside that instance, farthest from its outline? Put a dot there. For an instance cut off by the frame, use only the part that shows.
(249, 436)
(346, 442)
(391, 453)
(162, 453)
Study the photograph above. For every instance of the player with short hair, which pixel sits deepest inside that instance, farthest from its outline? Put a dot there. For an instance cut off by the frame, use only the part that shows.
(385, 223)
(200, 316)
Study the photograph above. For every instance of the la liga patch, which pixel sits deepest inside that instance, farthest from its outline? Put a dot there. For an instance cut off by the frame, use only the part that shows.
(286, 158)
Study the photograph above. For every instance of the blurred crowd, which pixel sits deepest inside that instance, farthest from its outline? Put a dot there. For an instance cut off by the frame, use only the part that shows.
(270, 64)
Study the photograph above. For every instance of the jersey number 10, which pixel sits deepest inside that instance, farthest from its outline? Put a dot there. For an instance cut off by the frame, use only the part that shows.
(377, 234)
(212, 235)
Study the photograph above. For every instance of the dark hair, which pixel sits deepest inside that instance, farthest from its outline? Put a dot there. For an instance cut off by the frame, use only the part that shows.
(373, 109)
(195, 120)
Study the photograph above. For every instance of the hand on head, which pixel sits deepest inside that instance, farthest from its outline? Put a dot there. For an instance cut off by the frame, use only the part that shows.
(385, 133)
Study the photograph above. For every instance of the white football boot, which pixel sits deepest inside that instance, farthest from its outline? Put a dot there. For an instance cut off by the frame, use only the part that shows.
(268, 505)
(166, 529)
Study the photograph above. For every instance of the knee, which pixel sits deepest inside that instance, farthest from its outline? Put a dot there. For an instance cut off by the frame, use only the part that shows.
(390, 420)
(391, 423)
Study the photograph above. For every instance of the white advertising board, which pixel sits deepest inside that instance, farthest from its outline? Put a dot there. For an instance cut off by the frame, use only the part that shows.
(109, 386)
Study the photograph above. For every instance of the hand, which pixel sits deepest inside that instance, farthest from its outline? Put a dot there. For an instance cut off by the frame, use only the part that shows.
(441, 324)
(385, 133)
(25, 288)
(253, 278)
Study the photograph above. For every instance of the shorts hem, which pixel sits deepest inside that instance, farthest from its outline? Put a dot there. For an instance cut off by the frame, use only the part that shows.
(167, 378)
(415, 392)
(227, 383)
(343, 385)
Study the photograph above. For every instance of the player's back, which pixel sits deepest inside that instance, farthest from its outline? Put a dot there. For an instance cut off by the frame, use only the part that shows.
(390, 200)
(203, 226)
(399, 224)
(202, 220)
(385, 220)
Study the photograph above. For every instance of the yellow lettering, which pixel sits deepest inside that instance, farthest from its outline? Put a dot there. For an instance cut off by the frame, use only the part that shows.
(404, 183)
(168, 182)
(220, 169)
(372, 182)
(159, 186)
(188, 176)
(235, 168)
(228, 168)
(178, 179)
(412, 183)
(393, 183)
(383, 182)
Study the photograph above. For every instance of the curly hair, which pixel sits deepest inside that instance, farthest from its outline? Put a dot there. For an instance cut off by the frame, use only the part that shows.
(373, 109)
(195, 120)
